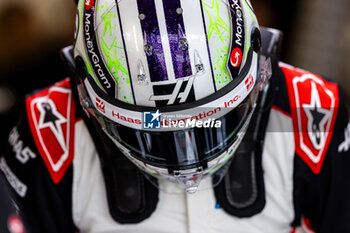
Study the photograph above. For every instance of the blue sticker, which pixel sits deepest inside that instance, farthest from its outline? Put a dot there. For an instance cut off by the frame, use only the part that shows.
(151, 120)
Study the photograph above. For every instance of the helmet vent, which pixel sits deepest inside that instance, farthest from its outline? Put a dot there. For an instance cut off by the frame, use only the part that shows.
(147, 47)
(141, 77)
(198, 63)
(183, 43)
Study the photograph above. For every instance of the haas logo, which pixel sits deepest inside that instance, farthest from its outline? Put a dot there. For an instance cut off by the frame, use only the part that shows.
(180, 91)
(249, 82)
(100, 105)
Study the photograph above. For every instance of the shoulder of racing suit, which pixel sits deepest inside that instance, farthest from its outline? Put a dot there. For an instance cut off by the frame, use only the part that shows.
(321, 132)
(38, 162)
(51, 117)
(38, 158)
(313, 105)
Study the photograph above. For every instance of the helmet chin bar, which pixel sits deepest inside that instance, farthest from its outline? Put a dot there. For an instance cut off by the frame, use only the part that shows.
(189, 179)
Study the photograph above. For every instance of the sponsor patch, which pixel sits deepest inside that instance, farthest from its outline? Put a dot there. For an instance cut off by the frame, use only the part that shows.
(95, 57)
(17, 185)
(22, 152)
(181, 91)
(236, 57)
(238, 37)
(249, 82)
(51, 115)
(314, 105)
(100, 105)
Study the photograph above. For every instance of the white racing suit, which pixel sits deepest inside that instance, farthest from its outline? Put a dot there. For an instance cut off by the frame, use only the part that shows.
(55, 171)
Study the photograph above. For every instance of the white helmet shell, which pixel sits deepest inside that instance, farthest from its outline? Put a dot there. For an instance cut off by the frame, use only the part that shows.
(161, 52)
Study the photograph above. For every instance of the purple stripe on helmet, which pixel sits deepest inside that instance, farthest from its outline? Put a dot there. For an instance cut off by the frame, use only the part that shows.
(152, 39)
(177, 38)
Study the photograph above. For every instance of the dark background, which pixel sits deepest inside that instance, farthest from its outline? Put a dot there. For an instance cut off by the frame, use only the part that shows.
(316, 38)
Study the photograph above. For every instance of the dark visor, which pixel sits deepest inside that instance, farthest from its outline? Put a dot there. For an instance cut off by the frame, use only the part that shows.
(184, 148)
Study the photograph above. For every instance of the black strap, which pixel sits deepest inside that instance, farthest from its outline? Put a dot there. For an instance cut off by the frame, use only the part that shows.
(271, 43)
(131, 197)
(242, 192)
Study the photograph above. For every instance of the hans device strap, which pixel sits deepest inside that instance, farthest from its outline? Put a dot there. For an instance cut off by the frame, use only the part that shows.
(271, 43)
(131, 197)
(242, 193)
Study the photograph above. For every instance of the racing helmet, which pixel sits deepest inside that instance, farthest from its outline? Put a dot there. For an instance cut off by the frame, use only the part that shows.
(173, 83)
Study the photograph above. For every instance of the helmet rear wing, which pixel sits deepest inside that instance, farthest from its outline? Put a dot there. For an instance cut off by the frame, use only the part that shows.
(271, 40)
(68, 58)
